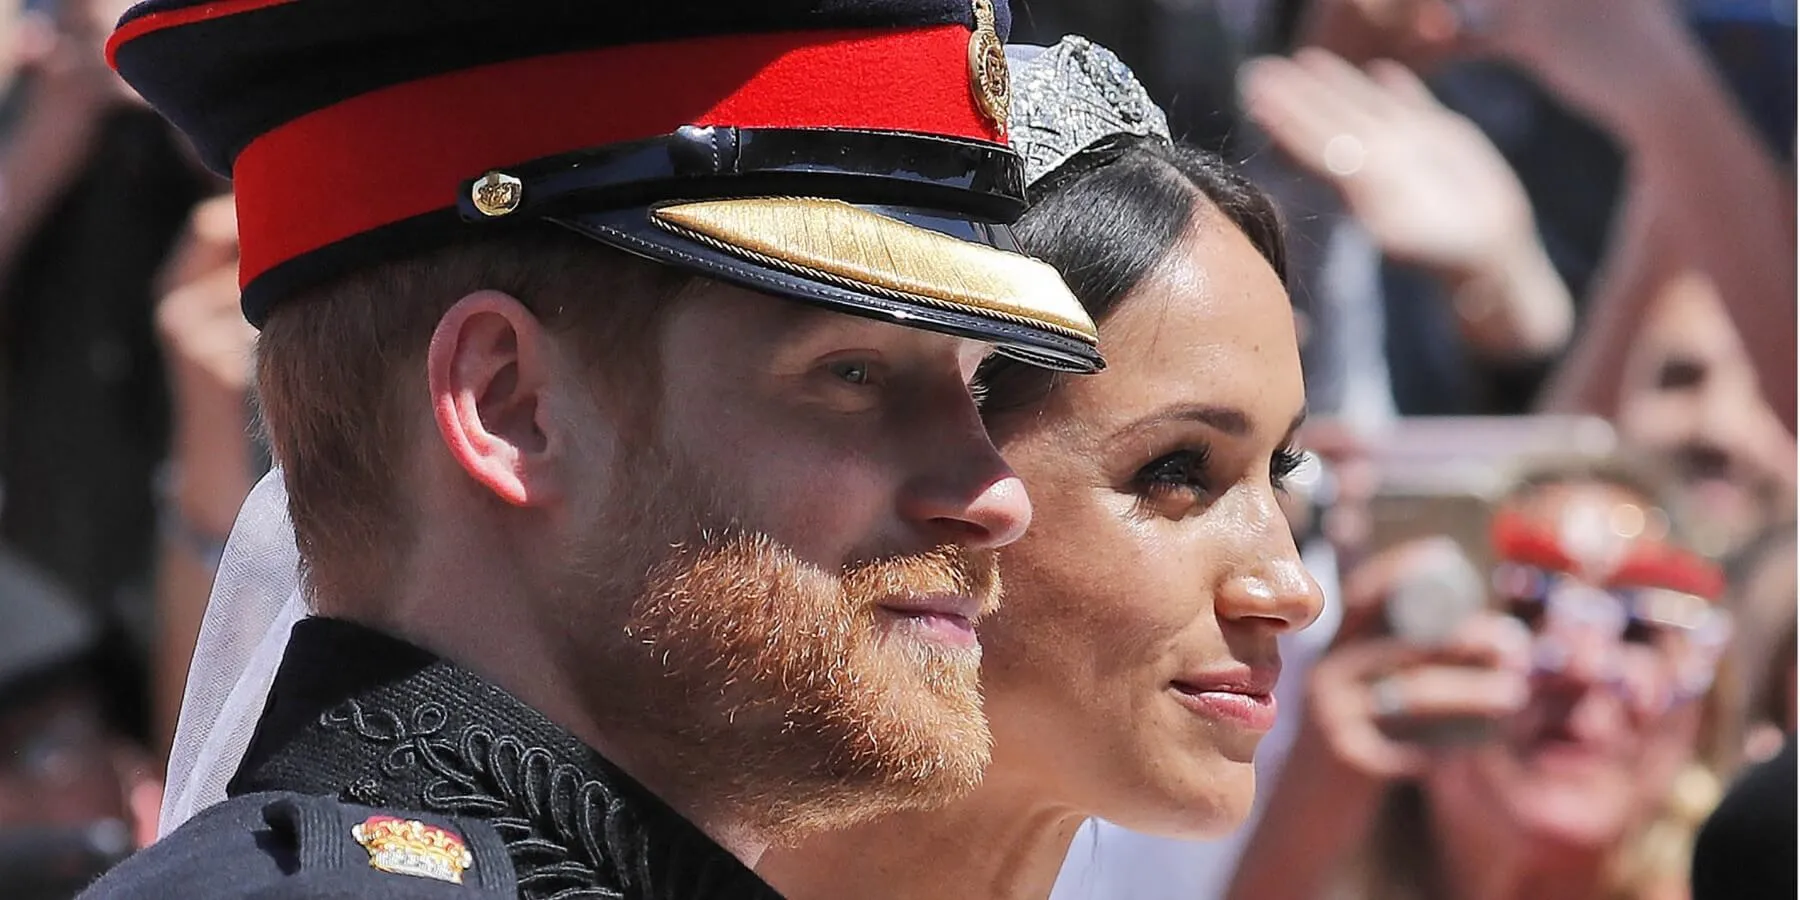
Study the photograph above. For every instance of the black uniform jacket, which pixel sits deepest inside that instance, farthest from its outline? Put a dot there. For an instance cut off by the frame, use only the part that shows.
(362, 729)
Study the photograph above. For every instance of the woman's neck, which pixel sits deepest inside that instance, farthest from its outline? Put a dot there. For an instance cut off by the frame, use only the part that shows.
(1003, 842)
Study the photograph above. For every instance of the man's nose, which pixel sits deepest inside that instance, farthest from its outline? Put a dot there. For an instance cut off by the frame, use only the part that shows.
(959, 489)
(978, 511)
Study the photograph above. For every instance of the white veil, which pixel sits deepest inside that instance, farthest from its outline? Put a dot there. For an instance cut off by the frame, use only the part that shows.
(255, 602)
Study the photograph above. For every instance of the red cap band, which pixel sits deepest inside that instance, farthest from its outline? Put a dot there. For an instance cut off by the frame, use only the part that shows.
(406, 150)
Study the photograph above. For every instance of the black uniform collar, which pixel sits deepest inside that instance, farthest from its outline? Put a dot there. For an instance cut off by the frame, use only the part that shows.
(371, 719)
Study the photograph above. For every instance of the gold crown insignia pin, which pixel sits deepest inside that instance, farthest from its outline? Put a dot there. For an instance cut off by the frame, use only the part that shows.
(987, 66)
(411, 847)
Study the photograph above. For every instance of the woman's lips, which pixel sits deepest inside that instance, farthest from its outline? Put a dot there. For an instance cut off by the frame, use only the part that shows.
(1241, 697)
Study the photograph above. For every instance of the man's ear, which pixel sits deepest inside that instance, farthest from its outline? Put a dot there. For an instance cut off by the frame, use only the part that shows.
(488, 368)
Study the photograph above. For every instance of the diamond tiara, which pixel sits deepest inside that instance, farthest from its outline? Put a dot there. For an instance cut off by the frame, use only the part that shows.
(1070, 95)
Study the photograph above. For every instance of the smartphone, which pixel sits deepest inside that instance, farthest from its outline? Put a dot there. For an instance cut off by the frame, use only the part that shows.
(1433, 603)
(1461, 511)
(1442, 475)
(1427, 609)
(1434, 600)
(1477, 447)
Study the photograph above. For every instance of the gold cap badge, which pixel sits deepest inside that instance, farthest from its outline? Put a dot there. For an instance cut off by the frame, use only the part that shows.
(411, 847)
(987, 66)
(497, 194)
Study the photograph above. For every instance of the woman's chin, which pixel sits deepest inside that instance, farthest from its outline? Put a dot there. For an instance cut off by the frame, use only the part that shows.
(1206, 801)
(1568, 818)
(1573, 830)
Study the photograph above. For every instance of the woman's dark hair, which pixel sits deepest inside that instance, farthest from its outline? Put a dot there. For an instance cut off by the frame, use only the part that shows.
(1108, 217)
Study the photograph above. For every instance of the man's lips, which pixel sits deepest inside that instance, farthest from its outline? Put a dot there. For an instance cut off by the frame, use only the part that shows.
(950, 605)
(948, 618)
(1243, 695)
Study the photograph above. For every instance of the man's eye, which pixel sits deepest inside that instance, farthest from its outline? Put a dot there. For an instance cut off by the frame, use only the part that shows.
(852, 372)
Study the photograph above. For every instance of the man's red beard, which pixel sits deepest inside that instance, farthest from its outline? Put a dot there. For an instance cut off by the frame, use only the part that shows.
(771, 689)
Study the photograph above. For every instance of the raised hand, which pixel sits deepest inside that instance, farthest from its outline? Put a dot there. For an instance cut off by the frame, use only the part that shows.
(1428, 185)
(207, 349)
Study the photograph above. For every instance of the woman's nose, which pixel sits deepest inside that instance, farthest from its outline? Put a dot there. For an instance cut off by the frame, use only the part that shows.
(1274, 586)
(1581, 657)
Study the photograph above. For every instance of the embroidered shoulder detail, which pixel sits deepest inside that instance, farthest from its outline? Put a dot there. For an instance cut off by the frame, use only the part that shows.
(398, 729)
(569, 835)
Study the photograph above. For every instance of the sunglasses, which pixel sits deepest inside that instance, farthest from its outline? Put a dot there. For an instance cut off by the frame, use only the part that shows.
(1643, 615)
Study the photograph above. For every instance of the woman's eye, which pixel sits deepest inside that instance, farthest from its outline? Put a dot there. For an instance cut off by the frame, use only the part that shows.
(1182, 470)
(1639, 631)
(1529, 611)
(1286, 462)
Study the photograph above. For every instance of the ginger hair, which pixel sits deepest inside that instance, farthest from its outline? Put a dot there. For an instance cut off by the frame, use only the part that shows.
(340, 378)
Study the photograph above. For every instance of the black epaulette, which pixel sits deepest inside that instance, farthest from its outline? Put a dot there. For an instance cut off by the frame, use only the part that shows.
(287, 846)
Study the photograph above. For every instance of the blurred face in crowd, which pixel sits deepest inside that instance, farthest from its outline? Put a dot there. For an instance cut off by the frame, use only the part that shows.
(1613, 714)
(74, 798)
(1143, 607)
(1690, 397)
(806, 521)
(57, 765)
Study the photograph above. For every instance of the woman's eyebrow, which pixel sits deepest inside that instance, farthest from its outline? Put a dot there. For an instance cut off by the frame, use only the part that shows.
(1229, 419)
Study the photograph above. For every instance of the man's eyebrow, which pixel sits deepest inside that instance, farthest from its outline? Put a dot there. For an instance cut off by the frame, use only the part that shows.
(802, 328)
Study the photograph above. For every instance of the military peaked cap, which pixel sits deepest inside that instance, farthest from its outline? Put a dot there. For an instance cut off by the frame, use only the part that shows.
(847, 153)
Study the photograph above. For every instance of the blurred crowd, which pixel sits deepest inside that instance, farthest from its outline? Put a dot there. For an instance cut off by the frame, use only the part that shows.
(1544, 257)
